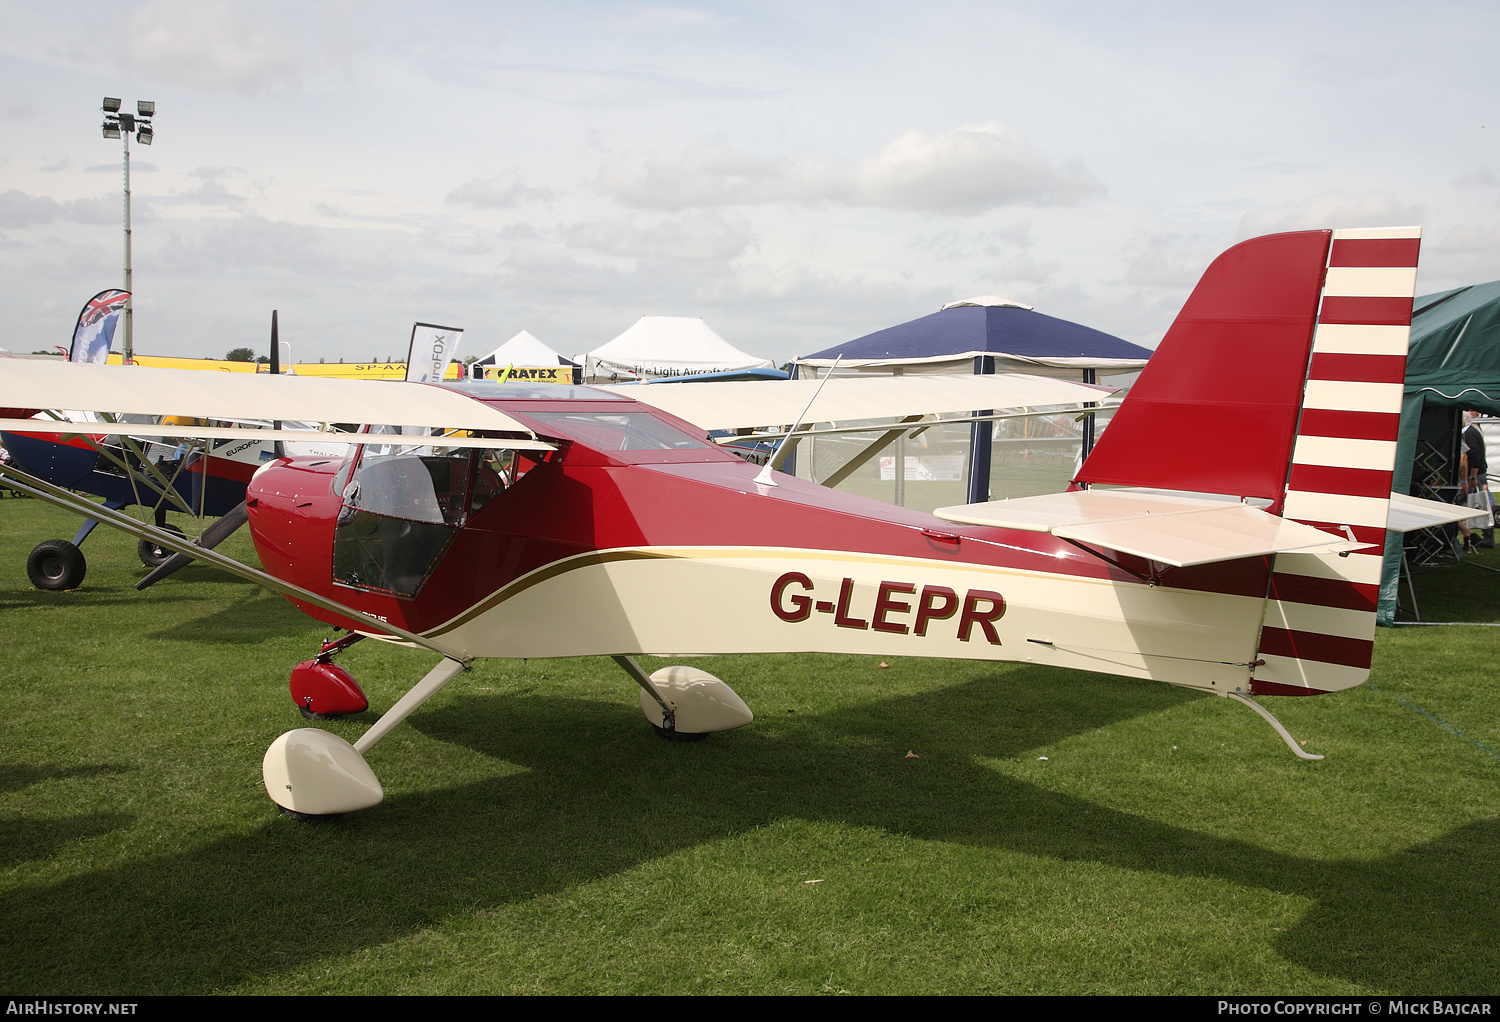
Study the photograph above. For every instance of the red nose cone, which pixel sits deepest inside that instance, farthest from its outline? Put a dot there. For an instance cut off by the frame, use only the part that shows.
(326, 689)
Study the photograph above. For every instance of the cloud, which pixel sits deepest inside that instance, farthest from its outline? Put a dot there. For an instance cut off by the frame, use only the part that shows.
(211, 46)
(253, 244)
(1467, 238)
(1485, 177)
(136, 167)
(1329, 210)
(589, 88)
(17, 209)
(1024, 268)
(1169, 261)
(697, 236)
(968, 170)
(17, 104)
(502, 191)
(971, 169)
(654, 18)
(710, 175)
(959, 245)
(1466, 254)
(211, 191)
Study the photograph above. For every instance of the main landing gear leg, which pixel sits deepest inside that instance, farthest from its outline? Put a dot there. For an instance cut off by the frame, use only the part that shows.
(1291, 743)
(685, 704)
(313, 773)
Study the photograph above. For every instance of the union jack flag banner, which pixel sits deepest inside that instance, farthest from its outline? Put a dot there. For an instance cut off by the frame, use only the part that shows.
(96, 326)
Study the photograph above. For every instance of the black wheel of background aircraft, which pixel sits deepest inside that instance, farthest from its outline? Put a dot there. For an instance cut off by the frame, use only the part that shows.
(152, 555)
(56, 564)
(680, 736)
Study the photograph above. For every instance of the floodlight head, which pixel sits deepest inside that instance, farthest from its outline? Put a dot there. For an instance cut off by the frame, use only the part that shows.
(111, 105)
(145, 107)
(111, 129)
(144, 135)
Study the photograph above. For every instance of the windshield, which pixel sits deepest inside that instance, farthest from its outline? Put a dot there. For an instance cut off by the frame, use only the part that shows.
(619, 431)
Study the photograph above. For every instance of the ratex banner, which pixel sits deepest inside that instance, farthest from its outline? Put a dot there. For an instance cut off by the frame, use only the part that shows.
(96, 326)
(432, 347)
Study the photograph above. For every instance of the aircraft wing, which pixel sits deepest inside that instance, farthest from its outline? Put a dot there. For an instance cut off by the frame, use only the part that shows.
(749, 404)
(1170, 529)
(28, 383)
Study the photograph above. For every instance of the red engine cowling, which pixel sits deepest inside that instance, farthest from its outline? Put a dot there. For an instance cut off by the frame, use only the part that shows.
(326, 689)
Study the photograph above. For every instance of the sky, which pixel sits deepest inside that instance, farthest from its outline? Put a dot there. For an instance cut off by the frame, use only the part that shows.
(796, 174)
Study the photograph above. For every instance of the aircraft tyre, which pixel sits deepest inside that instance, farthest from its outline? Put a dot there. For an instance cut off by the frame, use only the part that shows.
(56, 564)
(680, 736)
(308, 817)
(152, 556)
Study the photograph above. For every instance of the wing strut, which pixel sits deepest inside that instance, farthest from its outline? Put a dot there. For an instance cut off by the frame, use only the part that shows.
(447, 669)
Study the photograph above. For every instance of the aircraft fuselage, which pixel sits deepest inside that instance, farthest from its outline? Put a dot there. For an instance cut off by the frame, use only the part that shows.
(679, 551)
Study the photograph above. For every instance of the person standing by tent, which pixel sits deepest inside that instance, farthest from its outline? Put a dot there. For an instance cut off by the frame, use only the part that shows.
(1475, 484)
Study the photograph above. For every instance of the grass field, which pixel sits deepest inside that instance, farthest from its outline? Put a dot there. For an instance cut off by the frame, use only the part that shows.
(537, 838)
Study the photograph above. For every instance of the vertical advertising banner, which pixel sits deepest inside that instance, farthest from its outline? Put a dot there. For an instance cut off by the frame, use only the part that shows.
(432, 348)
(96, 326)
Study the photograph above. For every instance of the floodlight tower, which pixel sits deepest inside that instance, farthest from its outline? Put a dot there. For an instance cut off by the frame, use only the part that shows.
(123, 125)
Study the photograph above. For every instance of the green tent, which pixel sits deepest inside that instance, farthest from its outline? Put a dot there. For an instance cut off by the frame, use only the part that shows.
(1453, 363)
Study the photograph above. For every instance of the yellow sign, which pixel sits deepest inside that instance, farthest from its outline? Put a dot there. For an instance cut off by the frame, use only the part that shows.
(529, 374)
(169, 362)
(335, 370)
(365, 370)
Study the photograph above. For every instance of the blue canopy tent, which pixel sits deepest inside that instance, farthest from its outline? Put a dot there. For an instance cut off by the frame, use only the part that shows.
(988, 335)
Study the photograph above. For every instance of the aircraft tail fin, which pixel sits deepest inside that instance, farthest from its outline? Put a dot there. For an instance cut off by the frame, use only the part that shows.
(1215, 410)
(1281, 379)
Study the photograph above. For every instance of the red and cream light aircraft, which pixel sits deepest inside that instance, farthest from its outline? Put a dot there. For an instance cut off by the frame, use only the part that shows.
(1225, 535)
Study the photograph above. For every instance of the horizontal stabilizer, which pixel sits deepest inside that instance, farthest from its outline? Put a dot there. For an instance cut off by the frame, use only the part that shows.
(1179, 531)
(1408, 514)
(748, 404)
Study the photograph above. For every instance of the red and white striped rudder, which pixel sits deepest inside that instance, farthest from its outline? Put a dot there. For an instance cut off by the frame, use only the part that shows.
(1319, 626)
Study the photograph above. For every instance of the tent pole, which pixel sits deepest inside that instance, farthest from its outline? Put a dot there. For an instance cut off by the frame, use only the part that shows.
(900, 461)
(1089, 376)
(979, 442)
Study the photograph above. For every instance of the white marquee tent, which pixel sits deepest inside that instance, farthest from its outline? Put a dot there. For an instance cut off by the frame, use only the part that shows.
(661, 347)
(524, 350)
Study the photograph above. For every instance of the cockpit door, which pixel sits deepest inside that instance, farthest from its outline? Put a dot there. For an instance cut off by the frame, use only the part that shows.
(402, 505)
